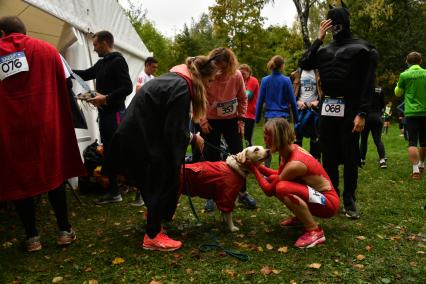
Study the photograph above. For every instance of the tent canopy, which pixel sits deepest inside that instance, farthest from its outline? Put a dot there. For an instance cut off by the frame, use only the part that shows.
(50, 20)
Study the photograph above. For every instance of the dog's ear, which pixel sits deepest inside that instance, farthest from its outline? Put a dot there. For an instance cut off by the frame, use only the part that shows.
(241, 157)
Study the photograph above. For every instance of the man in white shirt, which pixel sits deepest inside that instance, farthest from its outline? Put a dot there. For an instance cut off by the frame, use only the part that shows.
(151, 66)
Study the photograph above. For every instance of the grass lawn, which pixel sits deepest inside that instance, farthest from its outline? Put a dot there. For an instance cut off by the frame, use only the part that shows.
(387, 245)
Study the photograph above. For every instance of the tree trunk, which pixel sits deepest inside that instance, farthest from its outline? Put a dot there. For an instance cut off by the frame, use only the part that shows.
(302, 7)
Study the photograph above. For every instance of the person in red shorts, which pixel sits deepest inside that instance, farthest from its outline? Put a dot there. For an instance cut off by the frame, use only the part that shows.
(301, 183)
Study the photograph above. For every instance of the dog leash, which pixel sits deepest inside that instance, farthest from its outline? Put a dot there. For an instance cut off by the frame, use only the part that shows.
(215, 244)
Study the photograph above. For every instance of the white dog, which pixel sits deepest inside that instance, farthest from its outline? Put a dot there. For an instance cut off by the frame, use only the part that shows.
(221, 181)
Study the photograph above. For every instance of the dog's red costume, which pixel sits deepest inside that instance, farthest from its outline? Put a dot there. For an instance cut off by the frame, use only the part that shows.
(213, 180)
(322, 204)
(38, 146)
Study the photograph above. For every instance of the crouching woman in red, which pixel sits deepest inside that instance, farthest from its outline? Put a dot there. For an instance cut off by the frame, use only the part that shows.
(301, 183)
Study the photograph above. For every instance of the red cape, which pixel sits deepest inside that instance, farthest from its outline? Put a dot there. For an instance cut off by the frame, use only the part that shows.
(38, 146)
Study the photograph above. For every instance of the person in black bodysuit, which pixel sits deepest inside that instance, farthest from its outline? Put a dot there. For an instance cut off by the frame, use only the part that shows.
(347, 68)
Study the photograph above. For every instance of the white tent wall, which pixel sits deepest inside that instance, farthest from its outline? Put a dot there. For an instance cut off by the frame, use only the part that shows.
(68, 24)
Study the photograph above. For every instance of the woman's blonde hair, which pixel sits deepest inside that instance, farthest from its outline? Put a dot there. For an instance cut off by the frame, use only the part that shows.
(281, 133)
(201, 69)
(276, 63)
(224, 54)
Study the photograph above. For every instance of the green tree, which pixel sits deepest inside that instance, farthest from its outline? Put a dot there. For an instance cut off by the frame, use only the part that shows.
(238, 23)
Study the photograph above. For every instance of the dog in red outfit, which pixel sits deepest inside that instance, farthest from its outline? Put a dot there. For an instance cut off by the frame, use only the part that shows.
(221, 181)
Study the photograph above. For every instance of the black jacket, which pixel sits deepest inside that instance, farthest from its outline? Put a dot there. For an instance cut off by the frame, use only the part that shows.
(112, 79)
(149, 146)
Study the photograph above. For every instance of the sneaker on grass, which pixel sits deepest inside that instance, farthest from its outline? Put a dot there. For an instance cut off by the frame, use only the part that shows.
(311, 238)
(161, 242)
(383, 164)
(138, 200)
(247, 200)
(352, 214)
(210, 205)
(109, 198)
(33, 244)
(66, 237)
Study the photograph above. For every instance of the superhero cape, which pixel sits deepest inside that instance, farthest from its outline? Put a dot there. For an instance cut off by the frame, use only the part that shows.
(38, 146)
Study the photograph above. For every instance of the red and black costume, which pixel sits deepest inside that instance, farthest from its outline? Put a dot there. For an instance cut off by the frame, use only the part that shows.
(347, 69)
(38, 146)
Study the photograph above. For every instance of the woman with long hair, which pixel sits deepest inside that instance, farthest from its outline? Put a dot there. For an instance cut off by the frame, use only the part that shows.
(149, 146)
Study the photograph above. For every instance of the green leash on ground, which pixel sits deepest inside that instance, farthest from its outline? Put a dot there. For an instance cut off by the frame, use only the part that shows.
(215, 245)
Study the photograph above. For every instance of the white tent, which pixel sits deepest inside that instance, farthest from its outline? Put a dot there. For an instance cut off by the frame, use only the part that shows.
(67, 24)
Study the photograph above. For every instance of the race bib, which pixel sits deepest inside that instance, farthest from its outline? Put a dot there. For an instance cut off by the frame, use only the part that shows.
(12, 64)
(333, 107)
(227, 108)
(316, 197)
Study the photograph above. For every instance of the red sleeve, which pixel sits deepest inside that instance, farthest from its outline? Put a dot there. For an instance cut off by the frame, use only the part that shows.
(267, 171)
(268, 188)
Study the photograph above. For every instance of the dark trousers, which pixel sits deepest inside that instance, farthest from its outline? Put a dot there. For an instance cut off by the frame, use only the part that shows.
(248, 131)
(26, 211)
(340, 146)
(373, 123)
(108, 124)
(229, 129)
(160, 193)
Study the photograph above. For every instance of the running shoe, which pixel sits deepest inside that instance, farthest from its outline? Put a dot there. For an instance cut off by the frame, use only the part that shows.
(108, 198)
(383, 164)
(161, 242)
(138, 200)
(352, 214)
(247, 200)
(66, 237)
(311, 238)
(33, 244)
(416, 175)
(210, 205)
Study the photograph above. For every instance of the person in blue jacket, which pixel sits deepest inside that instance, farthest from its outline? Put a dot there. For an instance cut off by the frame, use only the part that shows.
(276, 92)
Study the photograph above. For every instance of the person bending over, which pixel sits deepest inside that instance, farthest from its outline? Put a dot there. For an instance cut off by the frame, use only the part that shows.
(301, 183)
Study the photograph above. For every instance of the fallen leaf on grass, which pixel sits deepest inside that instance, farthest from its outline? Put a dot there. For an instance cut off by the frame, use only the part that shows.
(395, 238)
(117, 260)
(293, 282)
(57, 279)
(259, 249)
(266, 270)
(269, 246)
(360, 257)
(155, 282)
(250, 272)
(314, 265)
(93, 281)
(88, 269)
(420, 252)
(360, 238)
(368, 248)
(276, 271)
(413, 263)
(231, 273)
(188, 270)
(380, 237)
(283, 249)
(358, 266)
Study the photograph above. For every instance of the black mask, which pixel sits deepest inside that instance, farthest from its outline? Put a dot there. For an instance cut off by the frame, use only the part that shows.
(341, 24)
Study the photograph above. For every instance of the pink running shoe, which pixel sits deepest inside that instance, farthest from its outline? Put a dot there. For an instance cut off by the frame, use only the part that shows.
(291, 222)
(161, 242)
(311, 238)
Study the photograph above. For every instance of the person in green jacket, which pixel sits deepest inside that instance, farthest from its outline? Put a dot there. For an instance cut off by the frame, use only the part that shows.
(412, 84)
